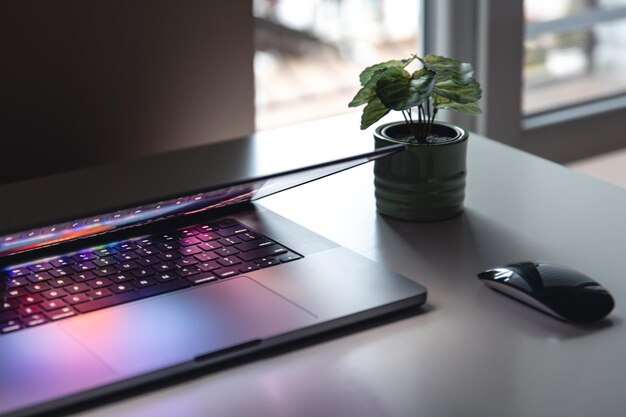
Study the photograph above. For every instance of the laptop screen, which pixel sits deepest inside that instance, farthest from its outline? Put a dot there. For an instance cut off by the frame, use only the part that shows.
(253, 189)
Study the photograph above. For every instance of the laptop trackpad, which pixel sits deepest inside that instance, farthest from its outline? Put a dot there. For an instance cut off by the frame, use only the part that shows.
(179, 327)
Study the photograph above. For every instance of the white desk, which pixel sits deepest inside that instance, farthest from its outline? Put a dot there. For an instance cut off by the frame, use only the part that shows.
(472, 352)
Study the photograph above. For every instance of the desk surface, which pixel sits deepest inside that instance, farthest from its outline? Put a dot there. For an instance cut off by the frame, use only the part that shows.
(471, 351)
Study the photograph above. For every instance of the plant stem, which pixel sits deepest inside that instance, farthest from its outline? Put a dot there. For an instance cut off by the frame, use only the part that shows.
(409, 121)
(423, 124)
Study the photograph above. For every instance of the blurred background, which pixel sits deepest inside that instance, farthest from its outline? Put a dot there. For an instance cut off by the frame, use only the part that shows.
(308, 54)
(90, 82)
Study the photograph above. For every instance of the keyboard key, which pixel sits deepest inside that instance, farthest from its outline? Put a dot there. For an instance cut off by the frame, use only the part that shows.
(262, 252)
(226, 251)
(210, 245)
(61, 282)
(99, 293)
(187, 271)
(227, 241)
(208, 236)
(16, 292)
(169, 256)
(122, 288)
(222, 224)
(186, 261)
(103, 252)
(77, 288)
(189, 250)
(61, 262)
(83, 256)
(166, 276)
(99, 283)
(84, 276)
(40, 267)
(145, 242)
(54, 293)
(29, 310)
(106, 271)
(31, 299)
(205, 256)
(123, 277)
(147, 251)
(248, 267)
(229, 261)
(76, 299)
(18, 272)
(289, 257)
(38, 287)
(227, 272)
(201, 278)
(61, 272)
(165, 266)
(126, 256)
(144, 282)
(83, 266)
(124, 247)
(39, 277)
(254, 244)
(35, 320)
(208, 266)
(186, 232)
(53, 304)
(231, 231)
(248, 236)
(268, 262)
(188, 241)
(168, 246)
(10, 326)
(150, 260)
(106, 261)
(8, 305)
(127, 266)
(17, 282)
(132, 295)
(143, 272)
(206, 228)
(60, 313)
(170, 239)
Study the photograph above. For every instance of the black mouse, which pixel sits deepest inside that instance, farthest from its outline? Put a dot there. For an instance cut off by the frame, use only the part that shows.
(553, 289)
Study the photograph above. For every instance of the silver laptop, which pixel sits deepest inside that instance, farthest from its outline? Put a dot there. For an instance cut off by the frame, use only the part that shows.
(106, 288)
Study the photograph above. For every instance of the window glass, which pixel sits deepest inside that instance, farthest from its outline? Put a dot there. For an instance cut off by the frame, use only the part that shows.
(573, 52)
(309, 53)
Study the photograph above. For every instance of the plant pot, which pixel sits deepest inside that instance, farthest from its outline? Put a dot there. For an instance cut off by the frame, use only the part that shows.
(426, 182)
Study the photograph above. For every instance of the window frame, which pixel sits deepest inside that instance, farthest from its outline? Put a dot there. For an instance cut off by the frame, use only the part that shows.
(490, 34)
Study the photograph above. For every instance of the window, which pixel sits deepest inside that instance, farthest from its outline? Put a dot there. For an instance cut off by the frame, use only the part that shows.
(561, 44)
(309, 53)
(573, 52)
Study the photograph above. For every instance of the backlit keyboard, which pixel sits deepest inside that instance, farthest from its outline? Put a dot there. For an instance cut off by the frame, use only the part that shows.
(91, 279)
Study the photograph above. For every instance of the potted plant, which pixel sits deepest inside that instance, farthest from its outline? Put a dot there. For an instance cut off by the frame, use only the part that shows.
(426, 182)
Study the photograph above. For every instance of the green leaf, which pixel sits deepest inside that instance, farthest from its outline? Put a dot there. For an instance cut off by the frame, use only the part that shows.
(376, 70)
(364, 95)
(468, 108)
(373, 112)
(464, 94)
(460, 73)
(368, 91)
(399, 90)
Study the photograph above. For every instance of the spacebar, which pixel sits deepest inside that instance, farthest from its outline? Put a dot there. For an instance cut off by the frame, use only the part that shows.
(131, 296)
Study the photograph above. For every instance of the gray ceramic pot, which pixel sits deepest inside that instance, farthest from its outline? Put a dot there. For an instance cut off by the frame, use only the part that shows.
(426, 182)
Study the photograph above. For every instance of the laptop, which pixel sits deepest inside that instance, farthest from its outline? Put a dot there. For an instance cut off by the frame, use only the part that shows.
(104, 290)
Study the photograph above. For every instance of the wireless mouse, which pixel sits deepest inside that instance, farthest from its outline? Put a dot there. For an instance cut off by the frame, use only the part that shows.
(553, 289)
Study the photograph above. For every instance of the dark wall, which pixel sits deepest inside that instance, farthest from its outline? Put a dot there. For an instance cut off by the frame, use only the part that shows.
(84, 82)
